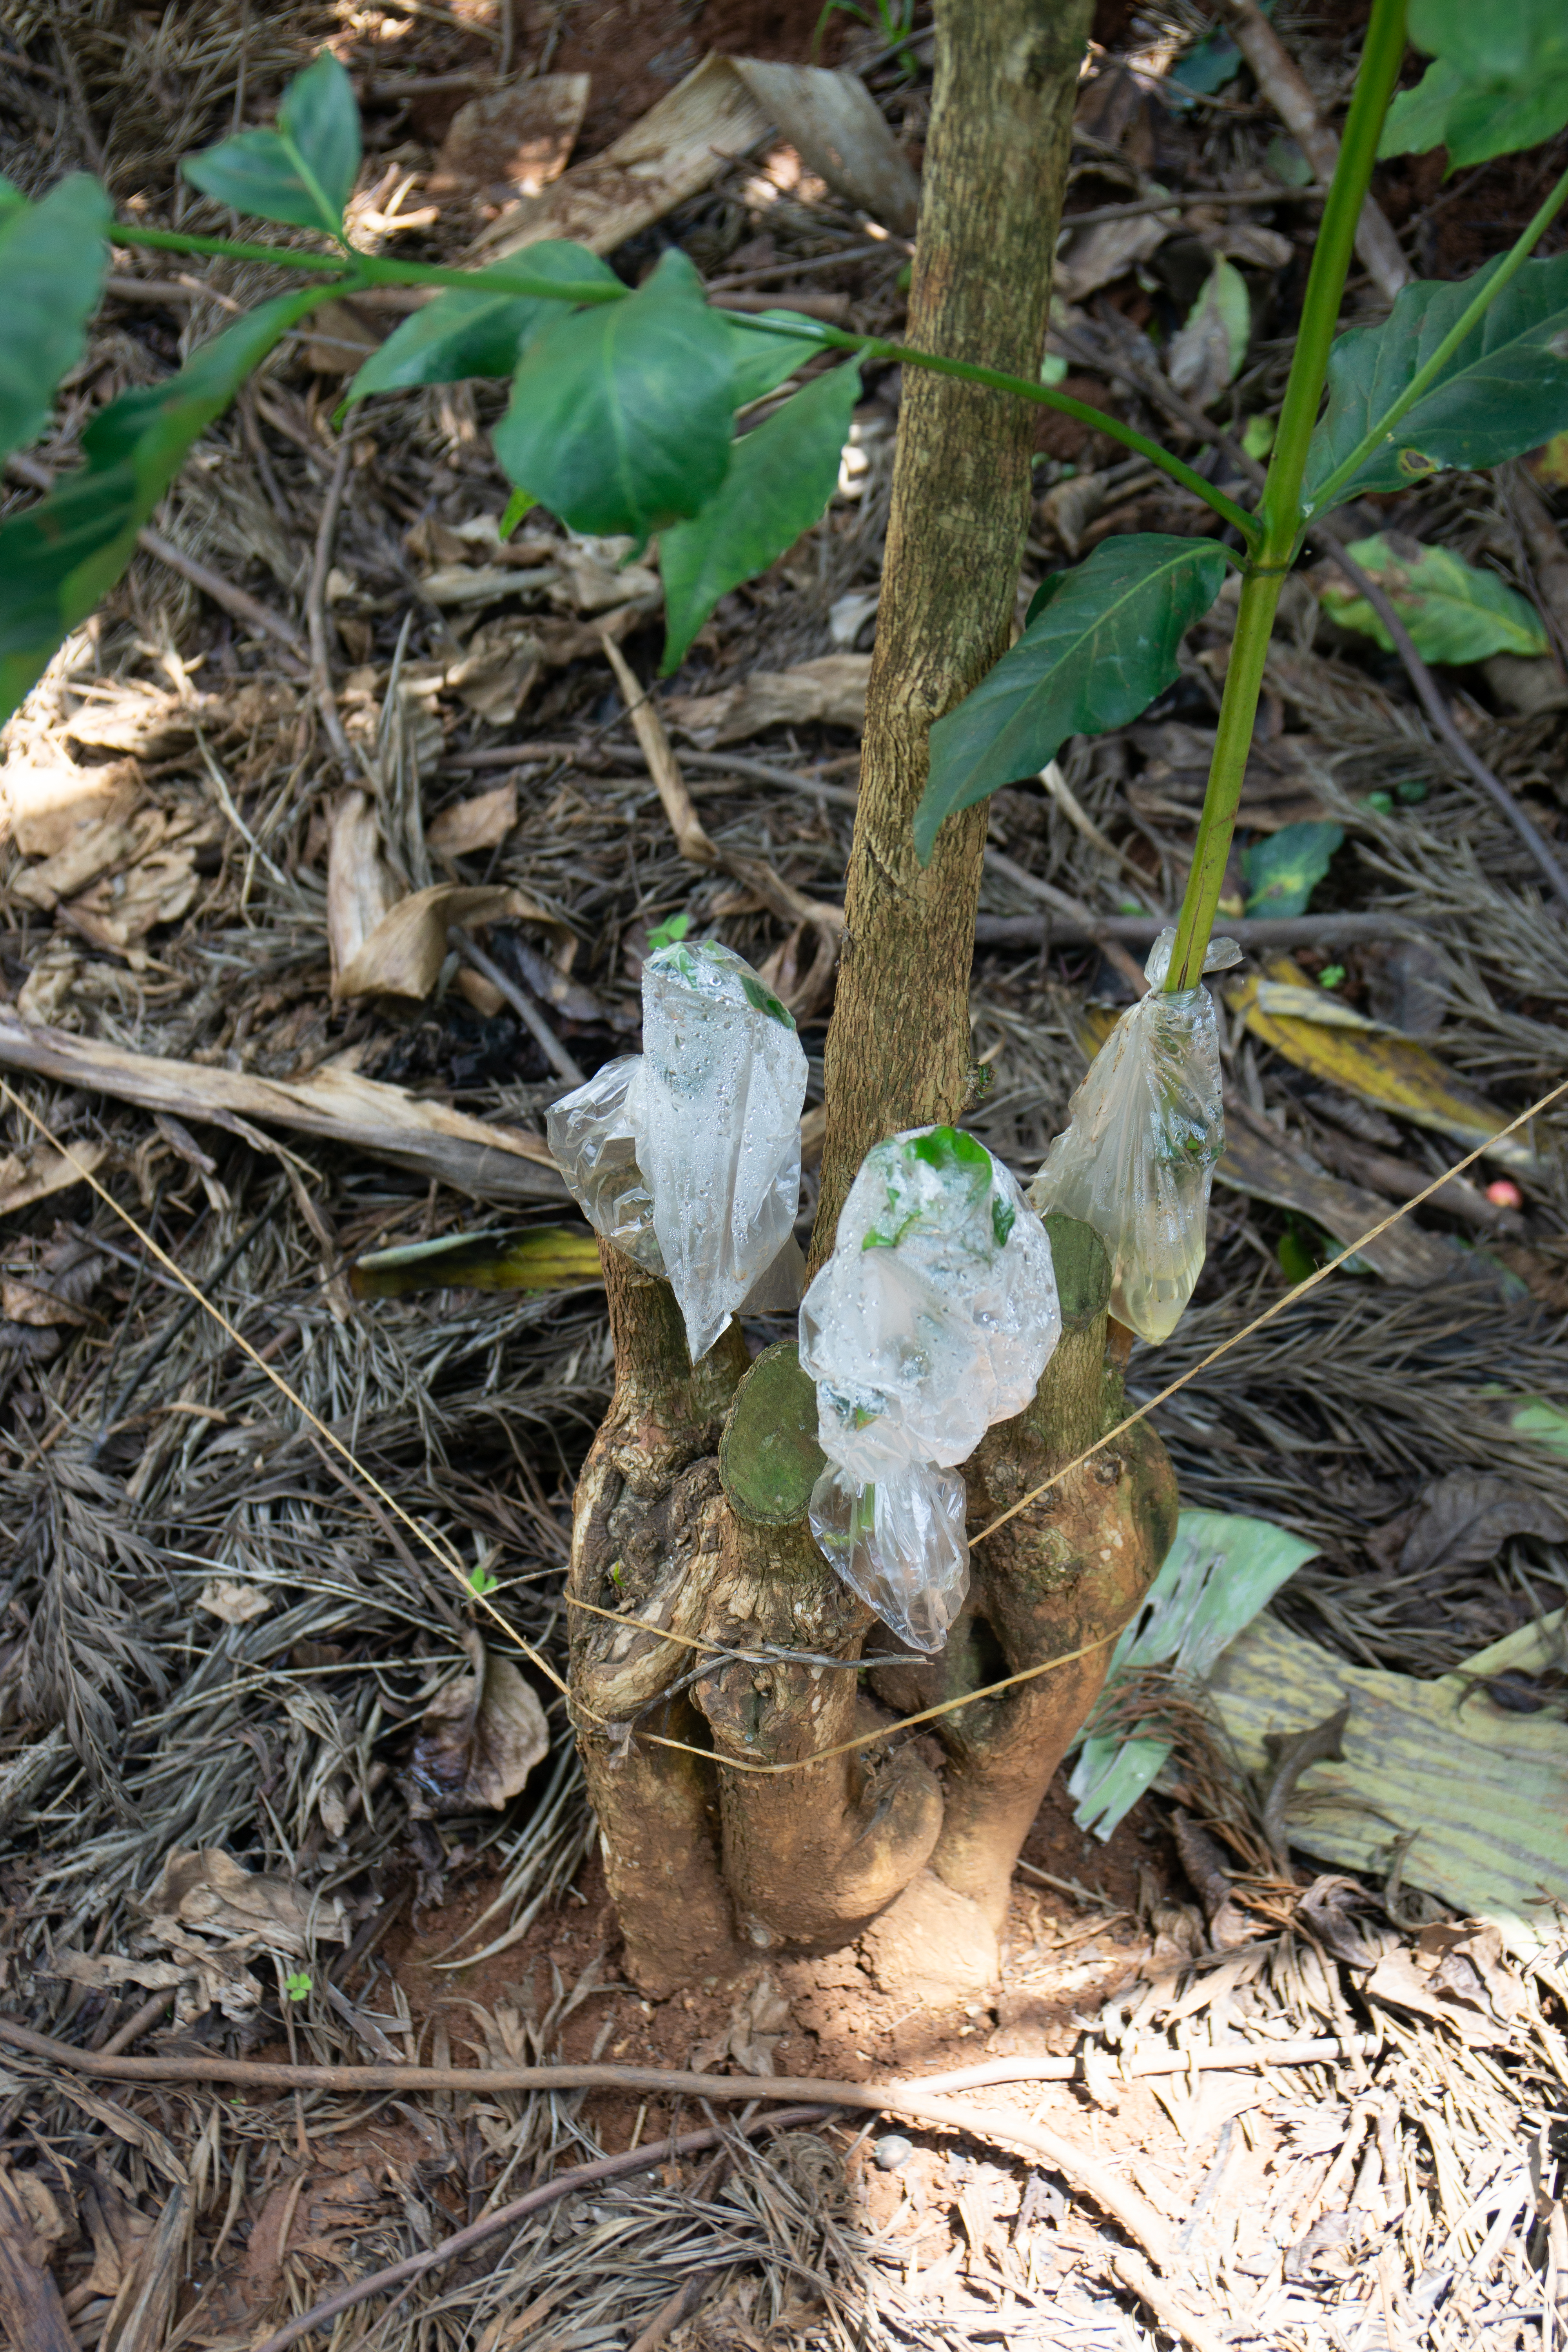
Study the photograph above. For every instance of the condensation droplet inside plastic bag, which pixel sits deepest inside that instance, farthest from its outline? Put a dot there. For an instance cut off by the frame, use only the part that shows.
(934, 1317)
(690, 1161)
(1137, 1161)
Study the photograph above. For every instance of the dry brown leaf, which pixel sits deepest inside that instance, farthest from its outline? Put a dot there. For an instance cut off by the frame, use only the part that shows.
(677, 148)
(830, 692)
(499, 669)
(132, 717)
(481, 822)
(118, 2231)
(121, 909)
(204, 1888)
(516, 140)
(404, 954)
(45, 805)
(90, 851)
(236, 1603)
(340, 340)
(56, 1288)
(836, 126)
(479, 1738)
(1096, 256)
(594, 576)
(361, 888)
(27, 1177)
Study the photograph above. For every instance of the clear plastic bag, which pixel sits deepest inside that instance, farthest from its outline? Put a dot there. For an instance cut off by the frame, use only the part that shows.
(593, 1137)
(688, 1155)
(1137, 1161)
(934, 1317)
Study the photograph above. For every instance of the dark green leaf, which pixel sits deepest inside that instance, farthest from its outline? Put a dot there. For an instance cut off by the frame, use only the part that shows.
(52, 260)
(1504, 390)
(302, 173)
(1284, 868)
(60, 556)
(620, 416)
(762, 361)
(479, 333)
(780, 479)
(1499, 80)
(534, 1257)
(1099, 645)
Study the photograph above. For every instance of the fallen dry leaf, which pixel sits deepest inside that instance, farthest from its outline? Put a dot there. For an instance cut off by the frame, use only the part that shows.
(514, 141)
(831, 690)
(121, 909)
(90, 851)
(236, 1603)
(499, 670)
(404, 954)
(479, 1738)
(1465, 1517)
(361, 888)
(132, 717)
(481, 822)
(48, 801)
(204, 1888)
(27, 1177)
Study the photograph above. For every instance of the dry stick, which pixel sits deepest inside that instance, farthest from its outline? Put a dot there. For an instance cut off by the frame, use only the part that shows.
(527, 1011)
(316, 615)
(233, 600)
(414, 2267)
(1286, 87)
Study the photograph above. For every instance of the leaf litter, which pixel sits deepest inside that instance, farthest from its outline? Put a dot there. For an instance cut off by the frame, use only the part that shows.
(218, 1660)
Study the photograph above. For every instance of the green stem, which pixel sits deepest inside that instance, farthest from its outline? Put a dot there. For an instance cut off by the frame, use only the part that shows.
(1273, 549)
(1490, 287)
(374, 269)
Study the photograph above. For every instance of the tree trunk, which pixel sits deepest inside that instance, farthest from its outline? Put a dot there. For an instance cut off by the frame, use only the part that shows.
(691, 1517)
(991, 204)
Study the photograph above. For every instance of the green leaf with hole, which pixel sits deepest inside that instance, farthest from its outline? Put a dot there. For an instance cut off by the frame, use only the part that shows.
(532, 1257)
(60, 557)
(764, 360)
(1284, 868)
(479, 333)
(1454, 612)
(620, 416)
(1099, 643)
(780, 479)
(1503, 390)
(303, 173)
(1497, 80)
(53, 255)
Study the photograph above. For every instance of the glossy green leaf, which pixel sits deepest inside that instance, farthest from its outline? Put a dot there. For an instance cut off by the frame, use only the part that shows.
(58, 558)
(1454, 612)
(1498, 82)
(1100, 643)
(532, 1257)
(479, 333)
(619, 419)
(53, 255)
(302, 173)
(762, 361)
(1503, 390)
(1284, 868)
(779, 481)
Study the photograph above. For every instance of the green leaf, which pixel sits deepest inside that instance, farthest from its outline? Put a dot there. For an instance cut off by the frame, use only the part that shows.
(1284, 868)
(1503, 391)
(302, 173)
(1499, 80)
(534, 1257)
(665, 934)
(1454, 612)
(619, 419)
(53, 255)
(762, 362)
(298, 1985)
(1218, 1574)
(780, 479)
(60, 556)
(1099, 643)
(479, 333)
(1207, 351)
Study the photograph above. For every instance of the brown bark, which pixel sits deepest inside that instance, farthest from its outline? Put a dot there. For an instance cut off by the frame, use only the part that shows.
(1067, 1572)
(991, 200)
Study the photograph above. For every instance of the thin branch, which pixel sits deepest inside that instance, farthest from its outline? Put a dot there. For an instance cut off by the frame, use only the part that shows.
(527, 1011)
(316, 614)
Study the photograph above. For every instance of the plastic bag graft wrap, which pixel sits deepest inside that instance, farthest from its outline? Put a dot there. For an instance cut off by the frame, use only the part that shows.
(1138, 1159)
(687, 1156)
(934, 1317)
